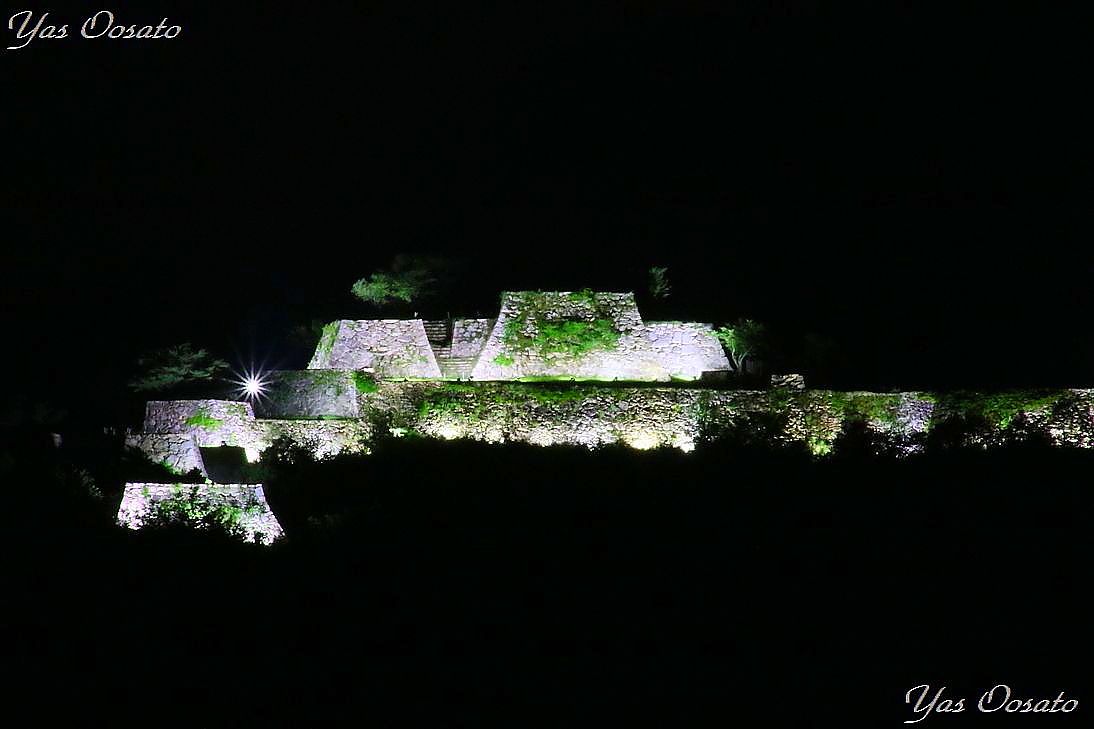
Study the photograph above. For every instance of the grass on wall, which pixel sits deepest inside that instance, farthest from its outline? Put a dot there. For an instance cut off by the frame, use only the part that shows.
(365, 383)
(997, 409)
(187, 506)
(202, 419)
(326, 340)
(535, 329)
(472, 402)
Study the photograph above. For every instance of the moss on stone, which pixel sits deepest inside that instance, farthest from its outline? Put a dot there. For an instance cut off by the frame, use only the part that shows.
(170, 468)
(365, 383)
(584, 296)
(780, 399)
(575, 338)
(192, 508)
(555, 395)
(535, 328)
(326, 339)
(472, 402)
(202, 419)
(998, 409)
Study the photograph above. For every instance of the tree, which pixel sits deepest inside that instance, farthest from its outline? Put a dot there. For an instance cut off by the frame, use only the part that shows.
(173, 366)
(743, 341)
(408, 279)
(660, 288)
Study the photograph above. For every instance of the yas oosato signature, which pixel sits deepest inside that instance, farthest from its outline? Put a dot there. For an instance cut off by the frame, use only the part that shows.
(997, 698)
(102, 24)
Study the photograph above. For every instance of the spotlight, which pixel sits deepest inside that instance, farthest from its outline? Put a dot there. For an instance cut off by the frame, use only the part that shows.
(251, 385)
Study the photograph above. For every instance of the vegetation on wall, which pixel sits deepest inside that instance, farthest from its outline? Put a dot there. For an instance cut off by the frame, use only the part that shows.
(870, 407)
(821, 415)
(364, 383)
(333, 379)
(326, 339)
(743, 341)
(535, 329)
(475, 401)
(998, 409)
(574, 338)
(202, 419)
(188, 506)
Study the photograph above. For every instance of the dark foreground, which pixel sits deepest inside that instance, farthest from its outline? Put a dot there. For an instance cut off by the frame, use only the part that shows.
(446, 583)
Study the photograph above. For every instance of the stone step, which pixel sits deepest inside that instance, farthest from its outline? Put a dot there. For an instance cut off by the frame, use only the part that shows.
(436, 331)
(456, 367)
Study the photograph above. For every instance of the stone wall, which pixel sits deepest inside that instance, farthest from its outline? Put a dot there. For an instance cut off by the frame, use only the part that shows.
(469, 336)
(214, 423)
(684, 349)
(682, 417)
(178, 452)
(585, 414)
(660, 351)
(641, 416)
(240, 508)
(323, 438)
(1070, 424)
(549, 415)
(400, 349)
(388, 348)
(211, 423)
(308, 394)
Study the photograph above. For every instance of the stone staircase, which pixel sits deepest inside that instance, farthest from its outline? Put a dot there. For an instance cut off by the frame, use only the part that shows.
(440, 339)
(437, 332)
(456, 368)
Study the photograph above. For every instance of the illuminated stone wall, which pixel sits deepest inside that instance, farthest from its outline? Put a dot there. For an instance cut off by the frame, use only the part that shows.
(240, 508)
(586, 414)
(389, 348)
(308, 394)
(684, 349)
(1070, 423)
(214, 423)
(659, 351)
(469, 336)
(547, 415)
(641, 416)
(650, 416)
(178, 452)
(321, 437)
(211, 423)
(485, 349)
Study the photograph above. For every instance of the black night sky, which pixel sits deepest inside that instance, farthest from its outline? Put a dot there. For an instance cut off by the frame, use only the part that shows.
(909, 184)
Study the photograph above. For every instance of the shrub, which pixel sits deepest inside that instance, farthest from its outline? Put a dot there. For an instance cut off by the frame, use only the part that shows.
(575, 338)
(364, 383)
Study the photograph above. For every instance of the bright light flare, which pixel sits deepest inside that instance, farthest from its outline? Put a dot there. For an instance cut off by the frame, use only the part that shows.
(251, 385)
